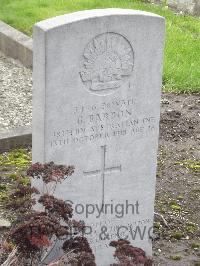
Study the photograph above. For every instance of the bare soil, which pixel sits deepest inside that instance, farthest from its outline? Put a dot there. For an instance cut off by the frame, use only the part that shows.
(177, 239)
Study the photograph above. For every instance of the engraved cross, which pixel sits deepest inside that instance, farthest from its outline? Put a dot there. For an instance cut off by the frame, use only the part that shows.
(104, 170)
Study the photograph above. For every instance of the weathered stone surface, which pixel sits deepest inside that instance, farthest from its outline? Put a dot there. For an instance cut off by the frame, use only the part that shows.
(15, 44)
(97, 80)
(191, 7)
(15, 138)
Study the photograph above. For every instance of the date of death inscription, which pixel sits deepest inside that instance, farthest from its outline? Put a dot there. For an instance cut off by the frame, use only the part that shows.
(105, 121)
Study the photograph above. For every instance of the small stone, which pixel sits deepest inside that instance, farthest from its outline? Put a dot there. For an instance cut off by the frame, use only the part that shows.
(4, 223)
(164, 101)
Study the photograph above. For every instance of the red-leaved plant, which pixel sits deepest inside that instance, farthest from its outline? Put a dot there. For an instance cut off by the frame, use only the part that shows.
(34, 233)
(127, 255)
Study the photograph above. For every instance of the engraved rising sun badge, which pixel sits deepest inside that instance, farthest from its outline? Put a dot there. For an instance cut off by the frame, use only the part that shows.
(107, 61)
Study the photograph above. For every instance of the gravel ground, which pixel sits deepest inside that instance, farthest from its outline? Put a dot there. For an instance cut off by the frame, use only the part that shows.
(15, 94)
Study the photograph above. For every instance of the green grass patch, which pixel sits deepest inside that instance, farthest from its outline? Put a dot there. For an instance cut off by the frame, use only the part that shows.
(13, 166)
(175, 257)
(175, 207)
(195, 245)
(177, 235)
(192, 165)
(182, 57)
(19, 158)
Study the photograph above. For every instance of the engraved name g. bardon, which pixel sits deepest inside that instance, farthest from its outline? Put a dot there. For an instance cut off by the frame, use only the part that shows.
(107, 61)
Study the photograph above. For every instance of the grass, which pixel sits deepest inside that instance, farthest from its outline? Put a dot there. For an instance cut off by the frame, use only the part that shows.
(176, 257)
(182, 56)
(19, 158)
(13, 165)
(192, 165)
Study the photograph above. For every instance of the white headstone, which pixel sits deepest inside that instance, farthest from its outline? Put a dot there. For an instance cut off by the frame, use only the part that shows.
(97, 83)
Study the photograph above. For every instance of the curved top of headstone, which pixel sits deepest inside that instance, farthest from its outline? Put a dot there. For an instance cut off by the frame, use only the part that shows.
(54, 22)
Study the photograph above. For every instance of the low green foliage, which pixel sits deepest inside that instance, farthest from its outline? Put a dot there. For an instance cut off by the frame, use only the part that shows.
(19, 158)
(3, 192)
(175, 207)
(180, 197)
(13, 176)
(175, 257)
(157, 225)
(195, 245)
(192, 165)
(177, 235)
(182, 57)
(2, 187)
(191, 224)
(190, 229)
(3, 196)
(12, 166)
